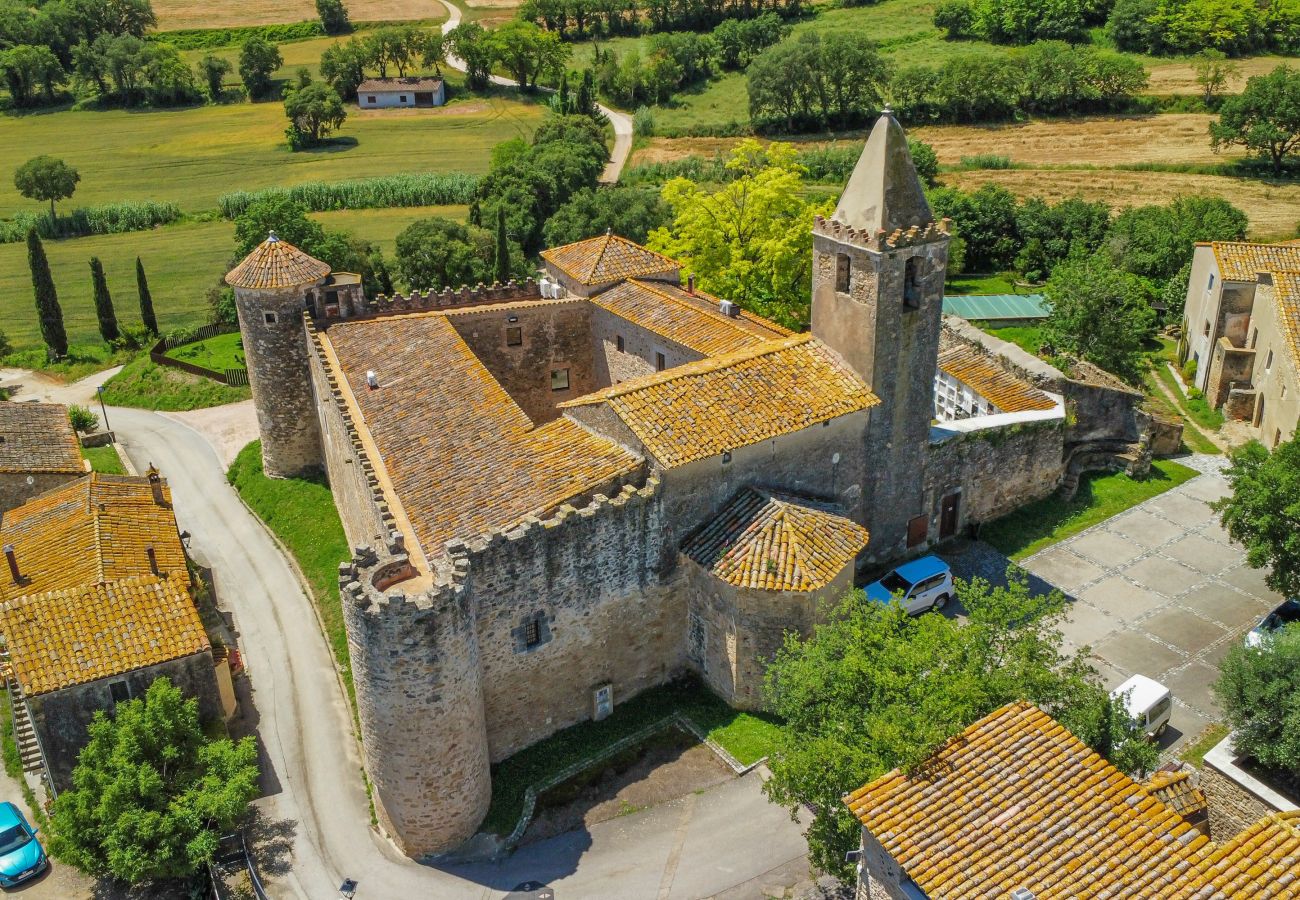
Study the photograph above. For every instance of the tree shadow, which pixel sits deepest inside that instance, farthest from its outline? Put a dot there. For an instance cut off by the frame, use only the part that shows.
(331, 145)
(270, 843)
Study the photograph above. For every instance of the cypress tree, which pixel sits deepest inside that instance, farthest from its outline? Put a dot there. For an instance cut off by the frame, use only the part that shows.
(146, 299)
(47, 298)
(501, 269)
(103, 302)
(586, 95)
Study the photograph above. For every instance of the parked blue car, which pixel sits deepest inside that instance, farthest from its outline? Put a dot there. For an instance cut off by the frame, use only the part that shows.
(922, 584)
(21, 856)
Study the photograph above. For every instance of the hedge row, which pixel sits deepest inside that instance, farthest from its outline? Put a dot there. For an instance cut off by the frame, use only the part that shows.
(213, 38)
(383, 192)
(112, 218)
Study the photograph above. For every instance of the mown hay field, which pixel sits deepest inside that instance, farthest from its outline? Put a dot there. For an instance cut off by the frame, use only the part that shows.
(177, 14)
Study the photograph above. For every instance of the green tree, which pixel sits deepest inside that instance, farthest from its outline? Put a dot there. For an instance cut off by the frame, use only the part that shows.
(986, 220)
(314, 111)
(631, 212)
(433, 254)
(1213, 72)
(1263, 511)
(213, 70)
(146, 299)
(1100, 313)
(344, 67)
(46, 178)
(287, 218)
(103, 302)
(873, 689)
(333, 16)
(151, 795)
(472, 44)
(1264, 118)
(47, 298)
(27, 69)
(528, 52)
(258, 58)
(501, 256)
(1155, 242)
(1259, 688)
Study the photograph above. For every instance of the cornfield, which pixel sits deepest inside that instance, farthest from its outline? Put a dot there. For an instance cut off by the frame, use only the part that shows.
(112, 218)
(384, 192)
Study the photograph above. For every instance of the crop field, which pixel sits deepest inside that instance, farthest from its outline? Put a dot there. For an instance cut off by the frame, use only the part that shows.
(381, 226)
(1179, 77)
(192, 156)
(177, 14)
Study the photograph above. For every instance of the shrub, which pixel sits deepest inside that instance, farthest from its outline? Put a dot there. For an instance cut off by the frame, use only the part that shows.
(987, 161)
(213, 38)
(643, 121)
(5, 347)
(957, 17)
(82, 419)
(383, 192)
(1258, 687)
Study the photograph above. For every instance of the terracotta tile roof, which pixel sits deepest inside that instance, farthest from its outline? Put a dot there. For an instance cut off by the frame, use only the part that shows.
(607, 258)
(98, 528)
(1018, 801)
(777, 542)
(462, 456)
(1177, 791)
(276, 264)
(1241, 261)
(68, 637)
(1286, 297)
(1261, 862)
(693, 321)
(706, 407)
(37, 437)
(984, 376)
(397, 85)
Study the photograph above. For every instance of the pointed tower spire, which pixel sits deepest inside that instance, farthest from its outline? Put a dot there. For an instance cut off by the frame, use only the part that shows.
(884, 191)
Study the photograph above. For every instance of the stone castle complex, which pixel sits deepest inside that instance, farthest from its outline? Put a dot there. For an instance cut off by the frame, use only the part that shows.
(565, 492)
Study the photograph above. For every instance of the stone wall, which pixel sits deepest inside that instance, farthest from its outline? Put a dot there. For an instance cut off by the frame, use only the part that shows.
(62, 718)
(639, 348)
(1228, 364)
(15, 490)
(1236, 799)
(465, 295)
(554, 335)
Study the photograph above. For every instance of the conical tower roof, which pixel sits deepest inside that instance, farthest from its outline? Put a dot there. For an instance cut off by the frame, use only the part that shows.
(276, 264)
(884, 191)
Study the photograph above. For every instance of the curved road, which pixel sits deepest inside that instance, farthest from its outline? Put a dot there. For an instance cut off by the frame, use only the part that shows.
(621, 121)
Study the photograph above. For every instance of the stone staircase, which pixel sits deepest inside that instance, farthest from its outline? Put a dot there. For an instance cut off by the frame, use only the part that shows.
(1131, 457)
(24, 732)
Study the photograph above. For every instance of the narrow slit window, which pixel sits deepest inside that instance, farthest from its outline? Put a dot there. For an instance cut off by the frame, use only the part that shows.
(843, 273)
(912, 283)
(661, 362)
(618, 342)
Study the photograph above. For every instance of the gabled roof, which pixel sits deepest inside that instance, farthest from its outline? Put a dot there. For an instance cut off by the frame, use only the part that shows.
(984, 376)
(37, 438)
(884, 192)
(1016, 800)
(691, 320)
(1242, 260)
(98, 528)
(68, 637)
(777, 542)
(607, 258)
(713, 405)
(276, 264)
(396, 85)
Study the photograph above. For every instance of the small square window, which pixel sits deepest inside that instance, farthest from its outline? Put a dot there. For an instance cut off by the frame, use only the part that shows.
(918, 529)
(618, 342)
(532, 633)
(370, 99)
(559, 379)
(514, 336)
(660, 362)
(726, 457)
(403, 98)
(119, 691)
(269, 318)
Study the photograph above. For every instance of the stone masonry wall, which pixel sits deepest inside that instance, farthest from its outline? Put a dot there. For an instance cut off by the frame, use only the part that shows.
(1232, 808)
(15, 491)
(639, 347)
(996, 470)
(554, 336)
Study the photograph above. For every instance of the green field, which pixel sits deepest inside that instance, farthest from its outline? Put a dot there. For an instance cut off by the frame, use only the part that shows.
(225, 351)
(381, 226)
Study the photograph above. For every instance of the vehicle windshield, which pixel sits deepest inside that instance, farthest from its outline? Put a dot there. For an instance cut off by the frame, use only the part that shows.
(13, 838)
(895, 583)
(1285, 615)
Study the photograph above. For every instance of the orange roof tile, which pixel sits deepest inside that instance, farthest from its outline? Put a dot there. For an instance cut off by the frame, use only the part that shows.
(98, 528)
(607, 258)
(984, 376)
(1177, 791)
(37, 437)
(461, 454)
(92, 631)
(777, 542)
(1242, 261)
(1016, 800)
(713, 405)
(691, 320)
(276, 264)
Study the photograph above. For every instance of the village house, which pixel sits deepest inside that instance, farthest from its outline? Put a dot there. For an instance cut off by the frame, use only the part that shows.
(1018, 807)
(391, 93)
(1241, 333)
(95, 604)
(38, 451)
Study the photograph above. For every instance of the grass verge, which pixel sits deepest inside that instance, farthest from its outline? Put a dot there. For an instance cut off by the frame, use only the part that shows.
(301, 513)
(1194, 752)
(225, 351)
(144, 385)
(1193, 407)
(1100, 496)
(104, 459)
(1027, 337)
(746, 736)
(82, 360)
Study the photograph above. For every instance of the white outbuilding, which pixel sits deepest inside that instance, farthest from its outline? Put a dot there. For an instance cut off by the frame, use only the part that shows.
(386, 93)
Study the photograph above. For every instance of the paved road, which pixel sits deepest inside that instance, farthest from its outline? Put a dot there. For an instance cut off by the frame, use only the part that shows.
(621, 121)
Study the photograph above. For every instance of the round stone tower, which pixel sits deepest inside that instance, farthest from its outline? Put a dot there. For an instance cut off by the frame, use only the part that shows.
(271, 286)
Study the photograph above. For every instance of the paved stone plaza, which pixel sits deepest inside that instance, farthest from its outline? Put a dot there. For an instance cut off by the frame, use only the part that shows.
(1158, 590)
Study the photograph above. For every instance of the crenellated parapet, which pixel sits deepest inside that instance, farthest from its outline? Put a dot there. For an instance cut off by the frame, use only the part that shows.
(881, 240)
(465, 295)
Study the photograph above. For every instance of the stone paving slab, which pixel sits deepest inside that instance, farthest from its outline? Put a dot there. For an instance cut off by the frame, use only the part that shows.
(1146, 528)
(1065, 569)
(1133, 651)
(1182, 629)
(1225, 605)
(1120, 598)
(1163, 575)
(1204, 555)
(1107, 548)
(1192, 684)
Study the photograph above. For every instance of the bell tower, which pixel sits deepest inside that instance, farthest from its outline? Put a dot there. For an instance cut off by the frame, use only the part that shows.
(878, 276)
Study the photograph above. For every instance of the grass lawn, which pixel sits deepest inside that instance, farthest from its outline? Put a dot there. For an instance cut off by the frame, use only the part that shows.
(301, 513)
(104, 459)
(147, 386)
(1193, 440)
(1027, 337)
(1100, 496)
(1194, 752)
(382, 226)
(82, 359)
(225, 351)
(1194, 408)
(993, 283)
(747, 736)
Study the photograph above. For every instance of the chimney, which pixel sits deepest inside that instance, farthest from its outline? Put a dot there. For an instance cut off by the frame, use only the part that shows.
(727, 308)
(153, 560)
(372, 380)
(690, 285)
(12, 559)
(155, 485)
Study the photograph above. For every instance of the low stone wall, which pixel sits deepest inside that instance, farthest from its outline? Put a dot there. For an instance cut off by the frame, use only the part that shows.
(1236, 798)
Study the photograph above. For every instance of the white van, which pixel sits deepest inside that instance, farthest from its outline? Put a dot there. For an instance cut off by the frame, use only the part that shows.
(1148, 702)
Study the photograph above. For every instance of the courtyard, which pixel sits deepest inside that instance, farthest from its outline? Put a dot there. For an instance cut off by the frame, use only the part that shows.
(1158, 590)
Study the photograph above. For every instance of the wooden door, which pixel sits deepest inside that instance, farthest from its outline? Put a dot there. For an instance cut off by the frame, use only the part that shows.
(948, 516)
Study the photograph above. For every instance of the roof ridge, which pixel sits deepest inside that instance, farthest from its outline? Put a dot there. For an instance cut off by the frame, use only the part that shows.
(91, 482)
(730, 321)
(600, 255)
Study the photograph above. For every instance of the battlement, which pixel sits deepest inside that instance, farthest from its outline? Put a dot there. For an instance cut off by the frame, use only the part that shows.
(478, 295)
(882, 241)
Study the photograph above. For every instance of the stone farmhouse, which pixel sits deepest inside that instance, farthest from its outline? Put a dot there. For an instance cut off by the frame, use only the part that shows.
(562, 493)
(392, 93)
(1016, 806)
(38, 451)
(95, 604)
(1241, 327)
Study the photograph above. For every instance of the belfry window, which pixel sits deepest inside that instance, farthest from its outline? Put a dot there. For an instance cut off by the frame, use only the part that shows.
(843, 273)
(912, 283)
